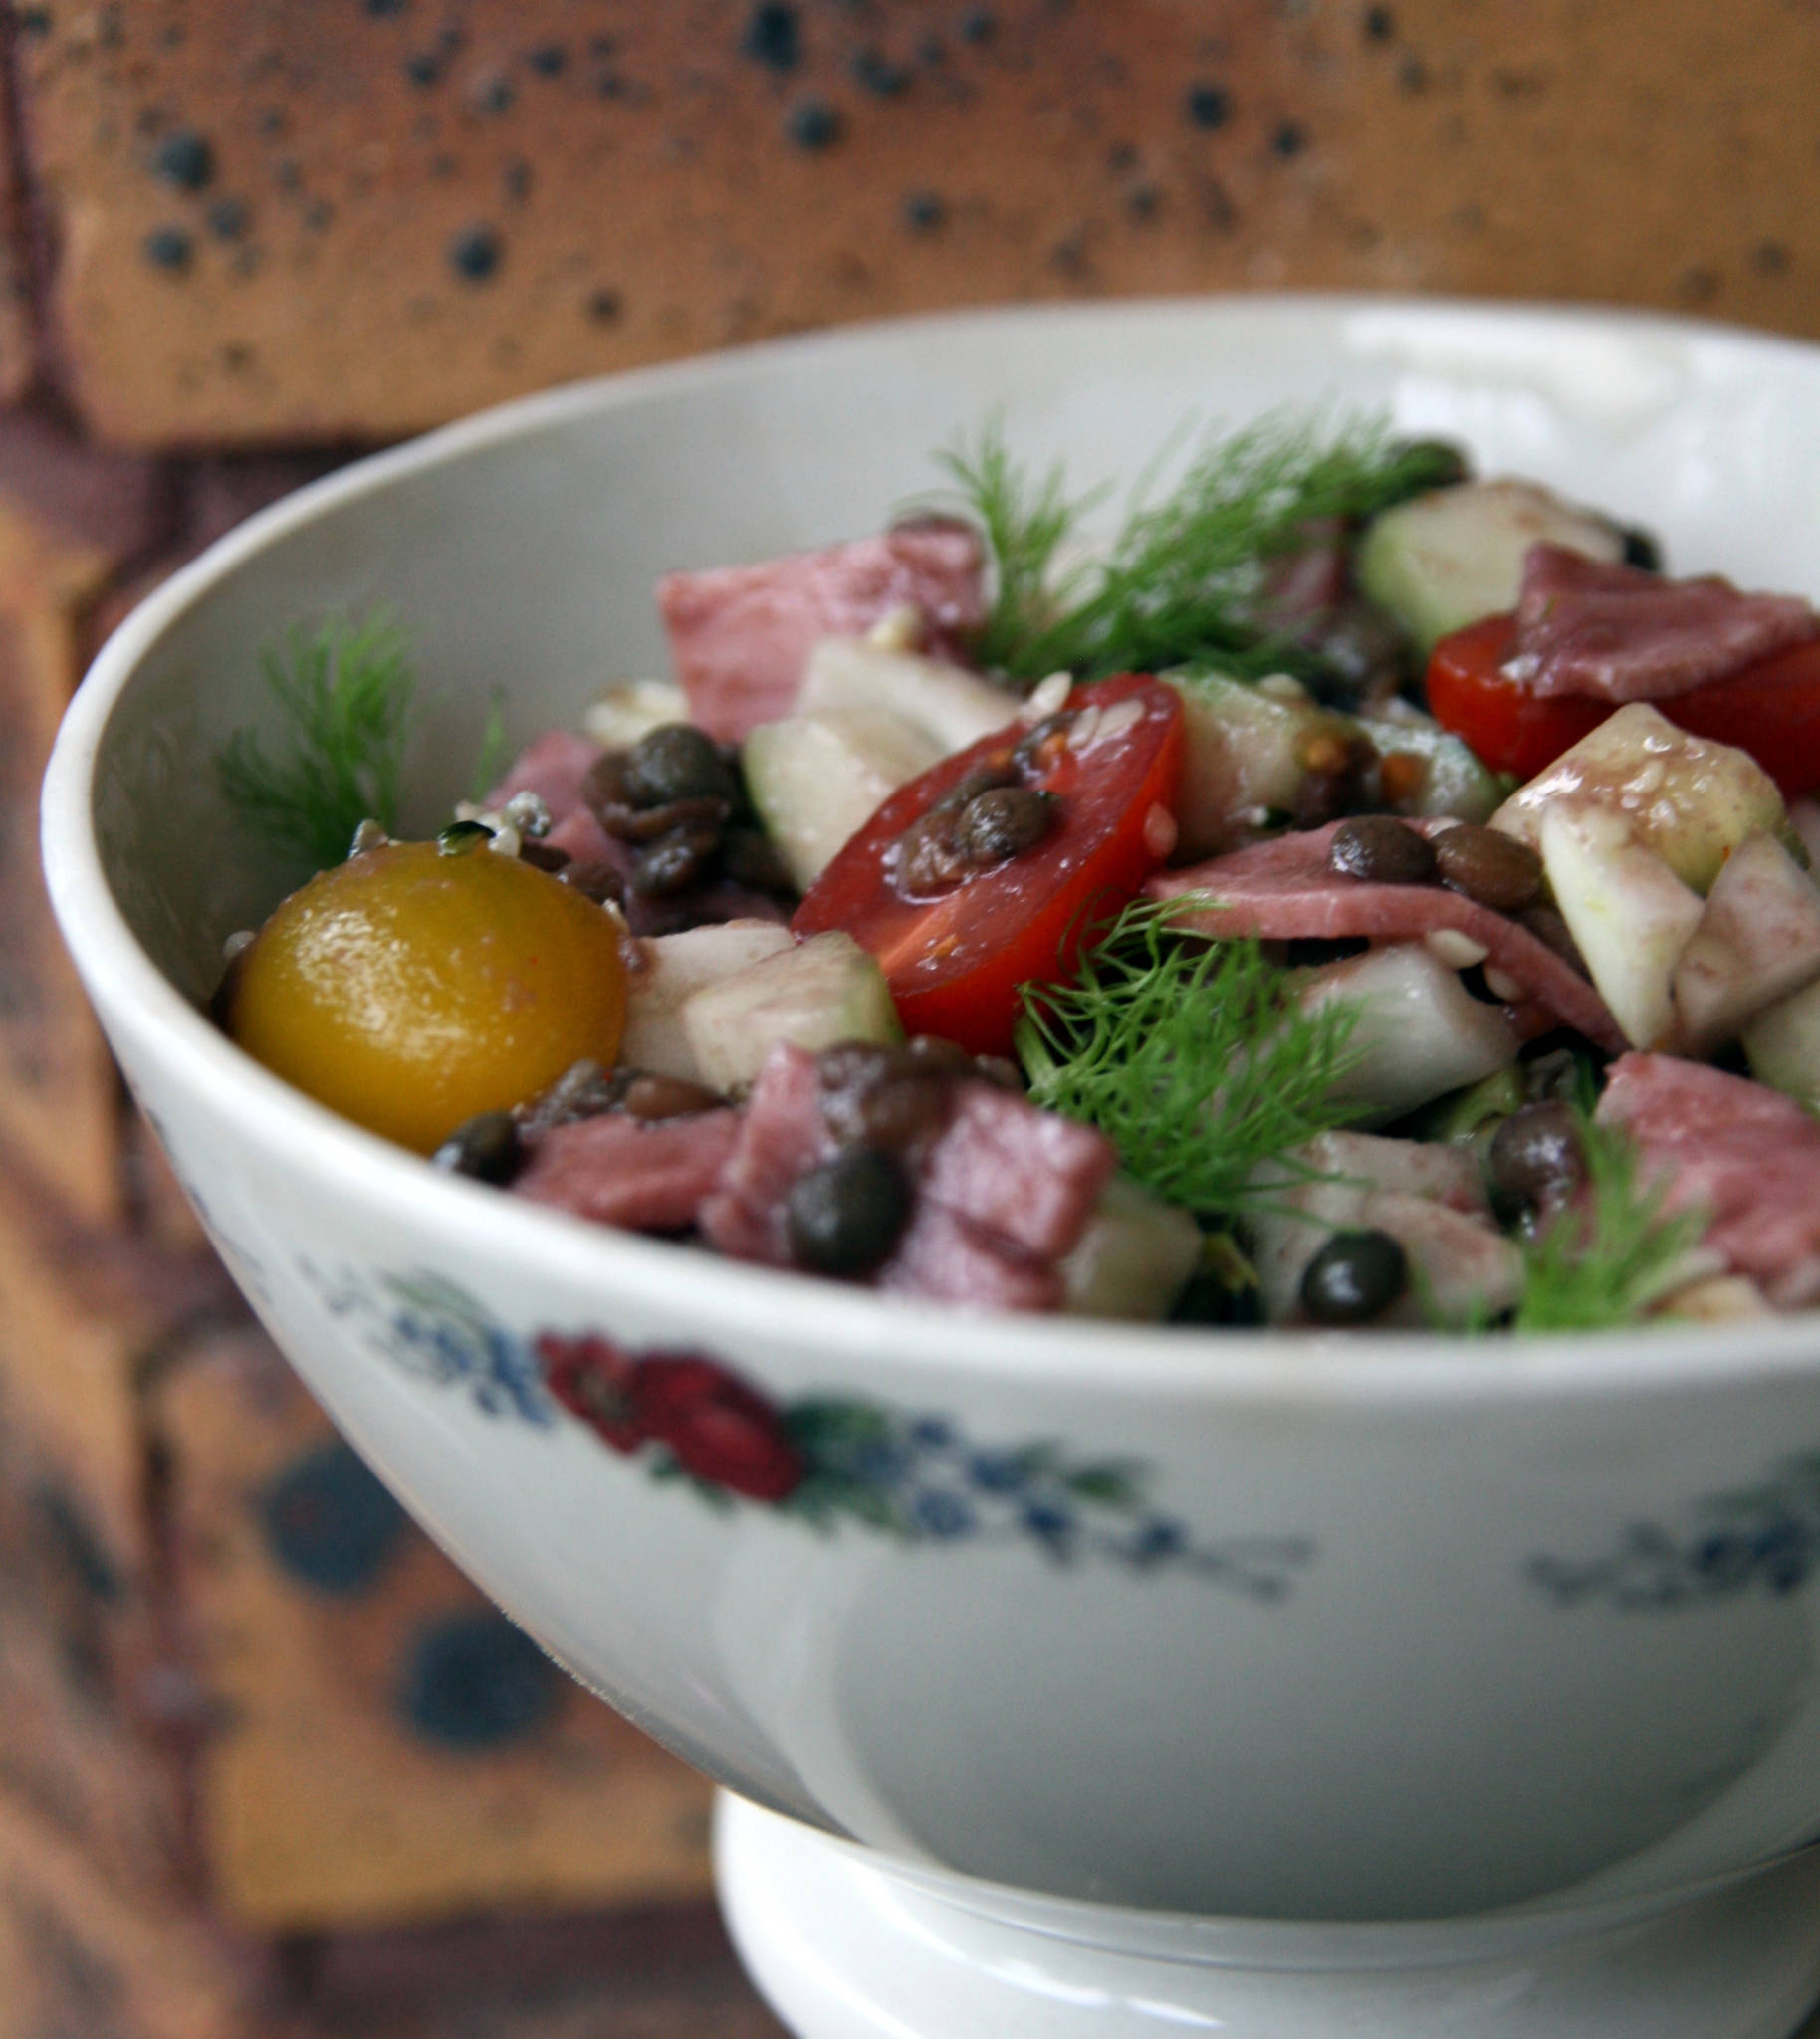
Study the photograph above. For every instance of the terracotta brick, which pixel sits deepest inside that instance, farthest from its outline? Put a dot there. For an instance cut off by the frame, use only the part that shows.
(307, 224)
(77, 1957)
(18, 354)
(347, 1784)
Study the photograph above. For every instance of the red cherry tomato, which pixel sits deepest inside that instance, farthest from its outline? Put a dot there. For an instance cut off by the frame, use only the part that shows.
(1508, 726)
(1770, 709)
(955, 961)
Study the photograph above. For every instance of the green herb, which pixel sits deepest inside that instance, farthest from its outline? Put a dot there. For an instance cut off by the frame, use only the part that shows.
(489, 762)
(1184, 579)
(345, 691)
(1601, 1262)
(1196, 1060)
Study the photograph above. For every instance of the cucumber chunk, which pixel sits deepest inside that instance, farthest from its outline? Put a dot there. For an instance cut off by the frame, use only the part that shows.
(817, 779)
(950, 707)
(1133, 1260)
(675, 967)
(1444, 560)
(813, 994)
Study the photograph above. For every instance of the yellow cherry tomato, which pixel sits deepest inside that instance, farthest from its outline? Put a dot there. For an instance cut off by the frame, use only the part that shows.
(410, 988)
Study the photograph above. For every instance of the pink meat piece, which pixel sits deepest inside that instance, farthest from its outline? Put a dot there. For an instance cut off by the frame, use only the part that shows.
(740, 636)
(1000, 1196)
(1284, 891)
(618, 1170)
(1747, 1155)
(1590, 628)
(1028, 1176)
(553, 767)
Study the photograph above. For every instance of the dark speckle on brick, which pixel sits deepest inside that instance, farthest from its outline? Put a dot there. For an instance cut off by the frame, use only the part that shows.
(548, 60)
(492, 93)
(1289, 138)
(877, 73)
(288, 173)
(328, 1521)
(34, 20)
(979, 25)
(384, 8)
(924, 211)
(1143, 201)
(317, 214)
(932, 50)
(473, 1682)
(1209, 105)
(169, 247)
(272, 122)
(774, 36)
(813, 125)
(227, 219)
(185, 159)
(1412, 75)
(1697, 285)
(1770, 258)
(424, 67)
(475, 252)
(602, 45)
(604, 306)
(1380, 24)
(516, 180)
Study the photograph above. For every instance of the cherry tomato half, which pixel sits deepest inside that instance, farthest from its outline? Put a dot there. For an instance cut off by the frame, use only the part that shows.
(955, 961)
(1770, 709)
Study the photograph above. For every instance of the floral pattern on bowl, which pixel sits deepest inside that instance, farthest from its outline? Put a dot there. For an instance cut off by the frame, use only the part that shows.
(686, 1418)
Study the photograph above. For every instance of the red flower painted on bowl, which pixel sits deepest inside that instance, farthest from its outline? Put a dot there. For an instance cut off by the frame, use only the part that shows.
(717, 1427)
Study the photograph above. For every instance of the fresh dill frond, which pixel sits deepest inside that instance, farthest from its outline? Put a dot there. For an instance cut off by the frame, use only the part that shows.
(1025, 520)
(346, 692)
(1603, 1260)
(1184, 579)
(1196, 1060)
(489, 761)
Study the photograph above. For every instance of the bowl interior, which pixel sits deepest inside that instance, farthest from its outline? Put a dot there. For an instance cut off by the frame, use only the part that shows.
(520, 549)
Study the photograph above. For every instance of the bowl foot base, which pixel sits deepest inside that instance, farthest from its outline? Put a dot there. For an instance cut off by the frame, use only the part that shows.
(845, 1947)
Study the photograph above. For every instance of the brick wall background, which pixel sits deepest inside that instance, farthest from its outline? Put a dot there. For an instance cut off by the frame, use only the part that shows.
(242, 240)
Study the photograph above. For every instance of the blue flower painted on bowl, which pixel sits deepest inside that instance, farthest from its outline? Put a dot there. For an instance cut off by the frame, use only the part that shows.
(1765, 1538)
(827, 1462)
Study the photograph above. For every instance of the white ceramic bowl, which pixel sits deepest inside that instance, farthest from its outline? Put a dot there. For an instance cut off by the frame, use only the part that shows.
(1313, 1628)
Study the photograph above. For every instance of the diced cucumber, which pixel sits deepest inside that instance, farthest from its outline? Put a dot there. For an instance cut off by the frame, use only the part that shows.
(1444, 560)
(1690, 799)
(629, 709)
(952, 708)
(1452, 781)
(1420, 1032)
(676, 967)
(815, 780)
(1249, 747)
(1783, 1046)
(1757, 941)
(1629, 914)
(1134, 1259)
(813, 994)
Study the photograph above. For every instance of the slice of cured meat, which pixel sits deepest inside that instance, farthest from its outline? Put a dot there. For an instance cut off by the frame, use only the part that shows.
(1285, 890)
(1614, 632)
(1003, 1192)
(1745, 1154)
(620, 1169)
(740, 636)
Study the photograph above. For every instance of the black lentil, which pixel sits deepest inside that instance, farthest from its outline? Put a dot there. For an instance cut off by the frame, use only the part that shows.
(1355, 1277)
(486, 1147)
(1642, 549)
(847, 1216)
(595, 878)
(1490, 866)
(185, 159)
(677, 761)
(475, 252)
(674, 861)
(1536, 1160)
(1381, 850)
(1004, 822)
(541, 856)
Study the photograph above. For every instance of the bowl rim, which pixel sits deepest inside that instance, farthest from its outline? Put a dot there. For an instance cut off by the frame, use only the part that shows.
(1068, 1353)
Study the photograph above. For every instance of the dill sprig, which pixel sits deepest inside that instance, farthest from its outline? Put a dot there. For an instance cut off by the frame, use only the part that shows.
(1603, 1260)
(346, 692)
(1182, 581)
(1196, 1060)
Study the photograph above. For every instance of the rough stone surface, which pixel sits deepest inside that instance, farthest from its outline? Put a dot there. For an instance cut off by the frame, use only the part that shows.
(383, 1749)
(311, 224)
